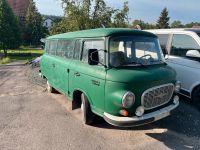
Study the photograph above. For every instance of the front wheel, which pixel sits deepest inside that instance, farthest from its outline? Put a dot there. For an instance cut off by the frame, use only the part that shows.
(87, 115)
(196, 97)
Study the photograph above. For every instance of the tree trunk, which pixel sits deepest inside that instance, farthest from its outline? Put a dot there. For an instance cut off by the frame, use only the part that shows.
(5, 52)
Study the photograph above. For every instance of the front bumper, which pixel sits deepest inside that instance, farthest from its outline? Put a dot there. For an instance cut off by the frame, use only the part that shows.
(137, 121)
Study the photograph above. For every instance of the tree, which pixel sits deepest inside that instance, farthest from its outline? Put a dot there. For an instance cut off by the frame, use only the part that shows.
(121, 16)
(9, 28)
(87, 14)
(34, 29)
(177, 24)
(190, 25)
(163, 21)
(142, 24)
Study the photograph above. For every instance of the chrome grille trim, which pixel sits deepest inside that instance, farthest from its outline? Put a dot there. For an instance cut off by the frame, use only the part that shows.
(151, 96)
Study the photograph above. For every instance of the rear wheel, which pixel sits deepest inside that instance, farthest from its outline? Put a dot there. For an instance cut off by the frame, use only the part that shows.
(196, 97)
(50, 89)
(87, 115)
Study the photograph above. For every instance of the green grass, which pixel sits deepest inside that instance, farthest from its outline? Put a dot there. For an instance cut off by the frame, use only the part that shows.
(21, 55)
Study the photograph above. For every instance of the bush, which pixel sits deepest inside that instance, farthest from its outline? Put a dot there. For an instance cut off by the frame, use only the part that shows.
(5, 60)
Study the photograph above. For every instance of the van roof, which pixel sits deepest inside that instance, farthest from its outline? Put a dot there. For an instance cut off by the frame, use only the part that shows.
(101, 32)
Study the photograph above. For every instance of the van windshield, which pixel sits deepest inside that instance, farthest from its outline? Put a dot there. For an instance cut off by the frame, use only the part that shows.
(134, 50)
(198, 34)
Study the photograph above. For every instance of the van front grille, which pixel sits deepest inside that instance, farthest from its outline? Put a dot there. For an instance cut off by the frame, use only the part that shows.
(157, 96)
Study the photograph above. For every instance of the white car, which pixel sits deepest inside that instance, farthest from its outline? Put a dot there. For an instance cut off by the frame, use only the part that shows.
(181, 48)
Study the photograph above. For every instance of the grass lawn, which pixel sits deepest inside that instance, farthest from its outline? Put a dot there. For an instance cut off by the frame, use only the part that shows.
(21, 55)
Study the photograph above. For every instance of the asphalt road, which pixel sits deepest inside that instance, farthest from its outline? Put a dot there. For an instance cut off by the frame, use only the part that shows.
(31, 118)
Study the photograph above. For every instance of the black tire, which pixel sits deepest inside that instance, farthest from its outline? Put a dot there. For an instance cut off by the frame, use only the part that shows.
(50, 89)
(196, 97)
(87, 115)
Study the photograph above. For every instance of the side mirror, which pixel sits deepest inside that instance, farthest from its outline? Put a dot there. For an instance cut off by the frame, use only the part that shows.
(93, 57)
(193, 54)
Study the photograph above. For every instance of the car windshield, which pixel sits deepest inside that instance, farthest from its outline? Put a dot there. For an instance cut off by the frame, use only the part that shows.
(134, 50)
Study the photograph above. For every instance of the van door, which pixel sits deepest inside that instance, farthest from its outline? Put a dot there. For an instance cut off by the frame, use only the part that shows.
(51, 62)
(187, 69)
(89, 79)
(65, 54)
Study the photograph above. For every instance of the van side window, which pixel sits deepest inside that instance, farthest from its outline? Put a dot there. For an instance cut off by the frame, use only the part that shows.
(47, 46)
(77, 49)
(53, 47)
(163, 41)
(98, 44)
(65, 48)
(182, 43)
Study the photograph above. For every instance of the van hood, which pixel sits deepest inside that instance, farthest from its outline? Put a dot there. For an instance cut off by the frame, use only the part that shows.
(159, 74)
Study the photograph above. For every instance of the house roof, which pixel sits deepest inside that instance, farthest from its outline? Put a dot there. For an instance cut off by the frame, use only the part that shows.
(101, 32)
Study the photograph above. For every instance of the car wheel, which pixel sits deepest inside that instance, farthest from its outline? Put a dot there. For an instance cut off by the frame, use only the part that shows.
(196, 97)
(50, 89)
(87, 115)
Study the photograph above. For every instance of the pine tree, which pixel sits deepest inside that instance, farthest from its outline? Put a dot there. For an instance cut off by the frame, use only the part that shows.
(34, 29)
(163, 21)
(9, 28)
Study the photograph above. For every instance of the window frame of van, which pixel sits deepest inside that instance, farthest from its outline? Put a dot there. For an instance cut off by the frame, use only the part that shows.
(104, 39)
(108, 45)
(179, 33)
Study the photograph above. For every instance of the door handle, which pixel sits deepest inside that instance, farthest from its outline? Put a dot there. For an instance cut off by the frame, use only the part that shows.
(77, 74)
(53, 65)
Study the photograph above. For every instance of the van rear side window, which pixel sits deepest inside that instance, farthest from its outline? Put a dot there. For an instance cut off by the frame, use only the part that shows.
(62, 48)
(65, 49)
(77, 49)
(52, 47)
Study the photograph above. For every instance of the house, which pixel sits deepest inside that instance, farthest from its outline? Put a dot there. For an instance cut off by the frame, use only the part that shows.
(48, 22)
(19, 8)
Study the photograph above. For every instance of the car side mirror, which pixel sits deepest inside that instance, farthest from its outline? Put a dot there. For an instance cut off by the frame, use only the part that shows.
(93, 57)
(193, 54)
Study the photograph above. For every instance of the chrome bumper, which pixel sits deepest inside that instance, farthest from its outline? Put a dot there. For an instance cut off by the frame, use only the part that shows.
(137, 121)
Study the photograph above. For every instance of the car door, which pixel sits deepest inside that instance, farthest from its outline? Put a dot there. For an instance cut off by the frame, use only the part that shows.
(87, 78)
(187, 69)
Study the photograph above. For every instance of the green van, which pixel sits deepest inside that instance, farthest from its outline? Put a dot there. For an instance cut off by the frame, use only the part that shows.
(118, 74)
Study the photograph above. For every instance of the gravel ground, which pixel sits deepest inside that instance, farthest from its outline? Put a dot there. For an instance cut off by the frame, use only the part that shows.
(31, 118)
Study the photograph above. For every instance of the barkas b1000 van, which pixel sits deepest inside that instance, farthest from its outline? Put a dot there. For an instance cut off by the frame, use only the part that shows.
(118, 74)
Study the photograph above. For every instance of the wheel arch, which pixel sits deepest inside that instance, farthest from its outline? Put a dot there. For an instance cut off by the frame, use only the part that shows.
(76, 98)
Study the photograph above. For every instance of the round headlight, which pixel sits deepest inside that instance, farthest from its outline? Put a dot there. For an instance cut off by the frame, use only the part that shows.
(177, 86)
(128, 100)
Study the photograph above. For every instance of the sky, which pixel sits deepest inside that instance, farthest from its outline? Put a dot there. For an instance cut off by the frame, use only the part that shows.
(146, 10)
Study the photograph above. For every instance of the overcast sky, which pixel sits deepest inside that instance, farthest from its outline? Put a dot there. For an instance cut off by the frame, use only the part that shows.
(147, 10)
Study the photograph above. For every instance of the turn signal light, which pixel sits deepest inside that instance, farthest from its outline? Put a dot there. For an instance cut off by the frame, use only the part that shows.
(123, 113)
